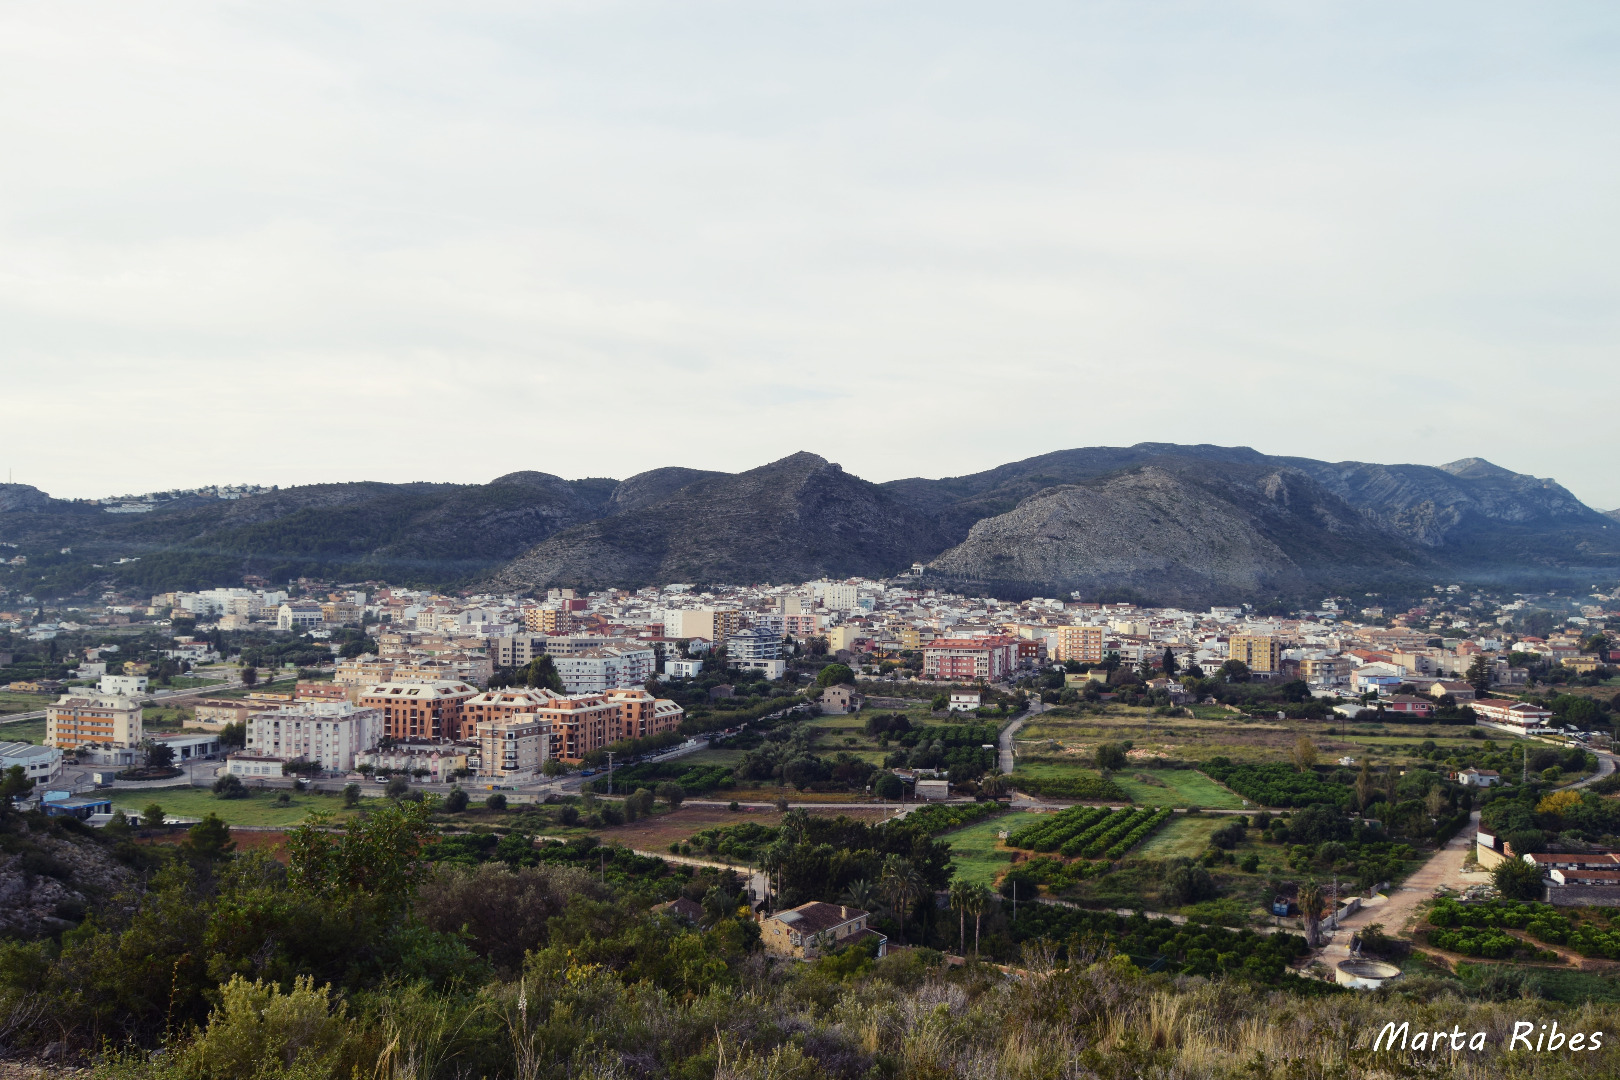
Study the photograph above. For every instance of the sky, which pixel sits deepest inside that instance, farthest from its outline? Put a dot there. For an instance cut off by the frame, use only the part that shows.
(289, 242)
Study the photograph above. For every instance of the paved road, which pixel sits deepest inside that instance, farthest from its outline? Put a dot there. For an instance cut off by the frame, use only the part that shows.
(1605, 768)
(757, 885)
(1004, 760)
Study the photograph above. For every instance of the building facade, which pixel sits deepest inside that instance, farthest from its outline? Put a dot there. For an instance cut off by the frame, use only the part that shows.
(1081, 644)
(1261, 652)
(425, 710)
(330, 734)
(93, 720)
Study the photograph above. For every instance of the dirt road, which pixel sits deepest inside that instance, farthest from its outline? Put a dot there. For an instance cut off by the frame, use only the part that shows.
(1445, 867)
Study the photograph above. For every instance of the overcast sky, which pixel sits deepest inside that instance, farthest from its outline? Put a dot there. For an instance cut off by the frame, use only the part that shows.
(286, 243)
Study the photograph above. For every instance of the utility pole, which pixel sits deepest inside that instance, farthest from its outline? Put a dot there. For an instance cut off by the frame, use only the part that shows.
(610, 773)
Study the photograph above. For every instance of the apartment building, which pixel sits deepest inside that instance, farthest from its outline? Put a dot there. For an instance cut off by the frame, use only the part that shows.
(585, 722)
(547, 620)
(513, 748)
(214, 713)
(841, 597)
(707, 623)
(332, 734)
(430, 710)
(597, 670)
(1261, 652)
(81, 719)
(1082, 644)
(516, 650)
(968, 659)
(756, 649)
(1327, 670)
(128, 685)
(359, 672)
(299, 616)
(503, 704)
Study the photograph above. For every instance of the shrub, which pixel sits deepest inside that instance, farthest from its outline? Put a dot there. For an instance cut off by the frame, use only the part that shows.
(230, 786)
(456, 801)
(303, 1031)
(496, 801)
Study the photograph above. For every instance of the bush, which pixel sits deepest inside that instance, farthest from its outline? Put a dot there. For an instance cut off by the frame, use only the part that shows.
(1188, 884)
(302, 1030)
(496, 801)
(396, 786)
(1517, 880)
(1228, 837)
(455, 802)
(230, 786)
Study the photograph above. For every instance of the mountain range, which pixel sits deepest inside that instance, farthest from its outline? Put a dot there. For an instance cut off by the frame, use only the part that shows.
(1155, 521)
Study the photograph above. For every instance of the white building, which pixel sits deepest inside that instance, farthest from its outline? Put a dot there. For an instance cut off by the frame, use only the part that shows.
(613, 667)
(965, 701)
(330, 733)
(40, 764)
(127, 685)
(841, 597)
(298, 616)
(683, 669)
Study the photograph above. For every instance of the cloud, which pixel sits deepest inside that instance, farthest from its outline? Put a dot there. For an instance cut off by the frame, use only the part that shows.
(295, 242)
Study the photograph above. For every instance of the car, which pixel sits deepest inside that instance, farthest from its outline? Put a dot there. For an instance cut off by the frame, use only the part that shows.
(587, 772)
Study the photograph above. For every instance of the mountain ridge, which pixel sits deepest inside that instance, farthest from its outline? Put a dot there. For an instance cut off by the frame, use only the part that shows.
(1042, 523)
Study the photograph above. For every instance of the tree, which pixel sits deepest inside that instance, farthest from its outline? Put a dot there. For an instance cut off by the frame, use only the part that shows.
(230, 786)
(159, 755)
(456, 801)
(672, 793)
(861, 894)
(152, 816)
(902, 886)
(1110, 756)
(834, 675)
(351, 796)
(542, 672)
(960, 895)
(1479, 676)
(209, 839)
(1310, 910)
(940, 703)
(553, 768)
(497, 801)
(15, 784)
(1234, 671)
(1304, 754)
(1169, 663)
(250, 676)
(1516, 879)
(978, 903)
(888, 786)
(396, 786)
(233, 734)
(1365, 785)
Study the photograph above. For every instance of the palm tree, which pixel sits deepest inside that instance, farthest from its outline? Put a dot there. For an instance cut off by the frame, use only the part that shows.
(1310, 910)
(978, 903)
(862, 894)
(961, 892)
(770, 861)
(903, 886)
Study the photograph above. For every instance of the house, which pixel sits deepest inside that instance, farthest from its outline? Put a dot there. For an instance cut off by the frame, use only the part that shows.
(1460, 691)
(965, 701)
(1481, 778)
(933, 790)
(39, 763)
(813, 929)
(1410, 705)
(838, 700)
(681, 908)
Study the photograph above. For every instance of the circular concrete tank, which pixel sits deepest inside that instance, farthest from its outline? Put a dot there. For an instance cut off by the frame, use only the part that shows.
(1365, 974)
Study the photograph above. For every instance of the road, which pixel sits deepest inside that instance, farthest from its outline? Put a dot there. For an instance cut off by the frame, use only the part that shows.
(757, 885)
(1605, 768)
(1004, 760)
(1444, 868)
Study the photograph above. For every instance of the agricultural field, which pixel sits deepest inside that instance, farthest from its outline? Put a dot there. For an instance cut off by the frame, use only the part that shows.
(1180, 788)
(258, 809)
(980, 855)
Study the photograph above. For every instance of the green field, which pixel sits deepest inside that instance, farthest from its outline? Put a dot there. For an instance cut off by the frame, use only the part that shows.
(1182, 836)
(19, 702)
(1176, 787)
(30, 731)
(979, 857)
(260, 809)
